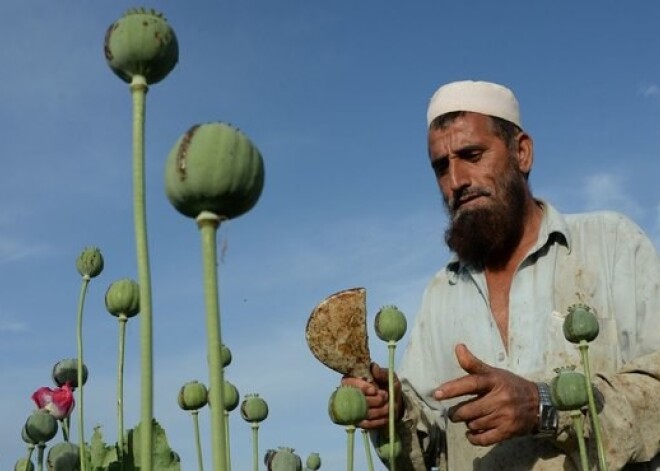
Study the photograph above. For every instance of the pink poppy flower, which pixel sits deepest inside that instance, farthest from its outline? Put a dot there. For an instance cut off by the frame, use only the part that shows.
(58, 401)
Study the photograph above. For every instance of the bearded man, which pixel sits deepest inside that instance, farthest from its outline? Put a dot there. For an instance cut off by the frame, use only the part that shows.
(473, 390)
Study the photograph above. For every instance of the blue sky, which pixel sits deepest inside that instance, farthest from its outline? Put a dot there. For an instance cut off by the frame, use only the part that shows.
(334, 94)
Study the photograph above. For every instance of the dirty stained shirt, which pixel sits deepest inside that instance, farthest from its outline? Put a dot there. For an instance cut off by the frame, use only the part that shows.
(600, 259)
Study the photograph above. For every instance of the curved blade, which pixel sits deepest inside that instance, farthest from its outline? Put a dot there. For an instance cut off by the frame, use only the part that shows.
(336, 333)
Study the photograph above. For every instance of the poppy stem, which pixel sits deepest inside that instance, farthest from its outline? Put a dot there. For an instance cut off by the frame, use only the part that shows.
(584, 352)
(120, 389)
(350, 446)
(65, 429)
(391, 346)
(255, 445)
(139, 90)
(208, 226)
(367, 450)
(79, 335)
(40, 456)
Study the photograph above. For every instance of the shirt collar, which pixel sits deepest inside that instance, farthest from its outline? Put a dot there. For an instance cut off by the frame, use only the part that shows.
(553, 228)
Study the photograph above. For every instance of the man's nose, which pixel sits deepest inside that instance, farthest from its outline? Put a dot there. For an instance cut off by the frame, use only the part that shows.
(458, 176)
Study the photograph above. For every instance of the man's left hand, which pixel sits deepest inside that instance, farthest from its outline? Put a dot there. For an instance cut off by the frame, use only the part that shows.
(504, 405)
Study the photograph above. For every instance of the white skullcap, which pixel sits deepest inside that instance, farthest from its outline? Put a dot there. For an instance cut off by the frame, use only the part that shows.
(479, 97)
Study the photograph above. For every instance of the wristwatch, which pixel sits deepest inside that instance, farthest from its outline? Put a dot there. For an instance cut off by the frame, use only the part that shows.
(548, 418)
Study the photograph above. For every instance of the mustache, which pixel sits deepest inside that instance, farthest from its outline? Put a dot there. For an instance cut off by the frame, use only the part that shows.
(459, 196)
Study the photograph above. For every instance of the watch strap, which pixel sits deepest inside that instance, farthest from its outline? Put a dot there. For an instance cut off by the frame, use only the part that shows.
(548, 419)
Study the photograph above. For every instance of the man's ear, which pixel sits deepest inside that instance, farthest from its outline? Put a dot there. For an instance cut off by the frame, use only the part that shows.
(525, 154)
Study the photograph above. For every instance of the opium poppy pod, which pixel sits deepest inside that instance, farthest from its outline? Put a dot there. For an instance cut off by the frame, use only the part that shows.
(63, 456)
(313, 461)
(90, 262)
(123, 298)
(580, 324)
(230, 396)
(214, 168)
(141, 43)
(390, 324)
(347, 406)
(192, 396)
(24, 464)
(254, 408)
(41, 426)
(284, 459)
(66, 372)
(568, 390)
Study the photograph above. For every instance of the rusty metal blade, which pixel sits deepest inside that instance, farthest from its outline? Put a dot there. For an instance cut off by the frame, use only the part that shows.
(336, 333)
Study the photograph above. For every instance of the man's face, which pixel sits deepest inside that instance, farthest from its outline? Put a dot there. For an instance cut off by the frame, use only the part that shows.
(483, 187)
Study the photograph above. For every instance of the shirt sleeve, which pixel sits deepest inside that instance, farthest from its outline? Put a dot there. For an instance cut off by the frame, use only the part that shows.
(629, 400)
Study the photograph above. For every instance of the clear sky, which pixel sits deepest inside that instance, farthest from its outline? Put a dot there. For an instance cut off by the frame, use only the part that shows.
(334, 94)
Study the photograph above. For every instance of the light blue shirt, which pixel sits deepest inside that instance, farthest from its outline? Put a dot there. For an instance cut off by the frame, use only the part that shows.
(600, 259)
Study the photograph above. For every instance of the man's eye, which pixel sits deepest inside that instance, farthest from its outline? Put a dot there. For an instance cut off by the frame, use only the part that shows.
(440, 166)
(472, 155)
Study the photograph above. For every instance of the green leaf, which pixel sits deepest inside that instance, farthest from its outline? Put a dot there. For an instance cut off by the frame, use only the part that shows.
(164, 459)
(100, 455)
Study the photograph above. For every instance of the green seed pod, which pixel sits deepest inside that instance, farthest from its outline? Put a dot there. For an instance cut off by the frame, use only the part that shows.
(64, 456)
(90, 262)
(284, 459)
(123, 298)
(66, 371)
(26, 438)
(41, 426)
(568, 390)
(313, 461)
(390, 324)
(225, 355)
(192, 396)
(383, 448)
(141, 43)
(230, 396)
(214, 167)
(347, 406)
(580, 324)
(24, 465)
(268, 457)
(254, 408)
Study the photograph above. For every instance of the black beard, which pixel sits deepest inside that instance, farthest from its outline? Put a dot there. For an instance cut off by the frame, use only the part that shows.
(487, 237)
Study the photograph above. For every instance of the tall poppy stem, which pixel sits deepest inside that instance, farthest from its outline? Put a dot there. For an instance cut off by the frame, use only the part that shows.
(208, 226)
(120, 389)
(139, 90)
(79, 337)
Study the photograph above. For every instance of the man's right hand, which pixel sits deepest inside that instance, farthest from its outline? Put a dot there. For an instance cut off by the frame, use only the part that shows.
(376, 393)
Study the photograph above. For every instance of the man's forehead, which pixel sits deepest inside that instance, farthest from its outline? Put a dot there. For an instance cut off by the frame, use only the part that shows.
(466, 126)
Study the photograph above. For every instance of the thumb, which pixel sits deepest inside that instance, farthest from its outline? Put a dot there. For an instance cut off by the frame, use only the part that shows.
(470, 363)
(379, 374)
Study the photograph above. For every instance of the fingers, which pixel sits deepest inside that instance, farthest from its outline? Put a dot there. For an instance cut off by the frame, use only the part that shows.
(502, 404)
(469, 362)
(484, 437)
(484, 426)
(377, 396)
(377, 405)
(368, 388)
(477, 382)
(380, 375)
(466, 386)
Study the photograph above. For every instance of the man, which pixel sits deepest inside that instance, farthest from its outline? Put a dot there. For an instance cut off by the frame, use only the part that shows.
(473, 392)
